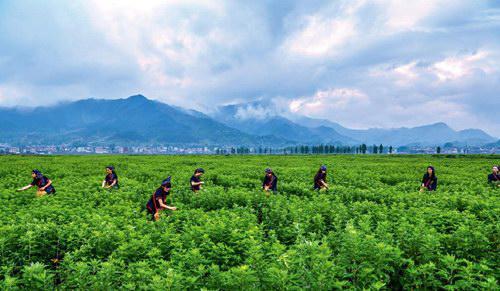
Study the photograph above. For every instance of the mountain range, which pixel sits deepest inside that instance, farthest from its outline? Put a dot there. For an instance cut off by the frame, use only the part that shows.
(137, 120)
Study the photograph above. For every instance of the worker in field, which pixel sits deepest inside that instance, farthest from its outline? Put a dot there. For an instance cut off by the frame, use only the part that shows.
(196, 181)
(429, 181)
(158, 200)
(320, 179)
(494, 177)
(111, 179)
(43, 183)
(270, 181)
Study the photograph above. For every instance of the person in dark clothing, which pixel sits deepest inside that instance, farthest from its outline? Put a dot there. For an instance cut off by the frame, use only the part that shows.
(196, 181)
(111, 179)
(43, 183)
(429, 181)
(320, 179)
(270, 181)
(494, 177)
(158, 200)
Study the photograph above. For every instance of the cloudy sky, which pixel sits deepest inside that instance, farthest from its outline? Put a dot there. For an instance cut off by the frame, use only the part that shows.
(360, 63)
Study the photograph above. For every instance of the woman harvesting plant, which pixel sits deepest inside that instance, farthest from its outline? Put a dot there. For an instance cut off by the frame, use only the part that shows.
(320, 179)
(111, 179)
(158, 200)
(494, 177)
(270, 181)
(43, 183)
(429, 181)
(196, 181)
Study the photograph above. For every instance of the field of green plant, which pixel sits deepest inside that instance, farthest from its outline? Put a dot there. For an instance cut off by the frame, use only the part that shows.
(372, 230)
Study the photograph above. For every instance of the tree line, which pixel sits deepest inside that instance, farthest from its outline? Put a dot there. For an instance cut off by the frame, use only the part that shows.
(309, 149)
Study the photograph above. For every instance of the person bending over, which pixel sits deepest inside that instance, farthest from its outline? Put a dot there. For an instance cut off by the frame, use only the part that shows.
(320, 179)
(158, 201)
(270, 181)
(43, 183)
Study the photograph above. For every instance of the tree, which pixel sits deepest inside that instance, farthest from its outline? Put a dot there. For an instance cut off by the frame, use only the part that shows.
(375, 149)
(381, 149)
(438, 150)
(363, 148)
(390, 149)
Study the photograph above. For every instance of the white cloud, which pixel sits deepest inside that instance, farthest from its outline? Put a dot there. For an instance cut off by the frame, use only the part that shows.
(453, 68)
(325, 101)
(321, 36)
(258, 112)
(407, 15)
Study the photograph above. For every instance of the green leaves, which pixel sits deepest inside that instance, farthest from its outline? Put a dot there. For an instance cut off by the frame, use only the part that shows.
(371, 230)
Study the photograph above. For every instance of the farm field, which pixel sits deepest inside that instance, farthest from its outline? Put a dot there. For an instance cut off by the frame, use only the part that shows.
(372, 230)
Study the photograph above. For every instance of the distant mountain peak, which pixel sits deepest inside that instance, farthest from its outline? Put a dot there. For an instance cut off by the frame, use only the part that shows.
(138, 97)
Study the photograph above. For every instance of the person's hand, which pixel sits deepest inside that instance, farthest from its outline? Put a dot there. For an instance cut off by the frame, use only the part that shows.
(157, 216)
(42, 189)
(173, 208)
(19, 190)
(202, 182)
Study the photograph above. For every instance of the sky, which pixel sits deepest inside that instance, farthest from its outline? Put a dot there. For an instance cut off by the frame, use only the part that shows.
(359, 63)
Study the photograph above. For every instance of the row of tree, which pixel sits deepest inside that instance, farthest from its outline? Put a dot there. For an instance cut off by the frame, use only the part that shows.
(307, 149)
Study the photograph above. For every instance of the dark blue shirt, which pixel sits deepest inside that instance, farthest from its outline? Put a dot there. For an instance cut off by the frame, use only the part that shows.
(317, 180)
(154, 202)
(430, 182)
(41, 182)
(195, 180)
(271, 181)
(493, 178)
(110, 178)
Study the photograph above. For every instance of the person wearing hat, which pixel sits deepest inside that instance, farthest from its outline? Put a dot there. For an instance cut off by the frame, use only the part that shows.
(494, 177)
(270, 181)
(320, 179)
(111, 179)
(429, 181)
(43, 183)
(158, 200)
(196, 181)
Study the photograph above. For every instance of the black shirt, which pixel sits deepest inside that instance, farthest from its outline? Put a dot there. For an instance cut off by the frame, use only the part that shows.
(154, 202)
(110, 178)
(195, 179)
(41, 182)
(429, 182)
(317, 180)
(270, 181)
(493, 178)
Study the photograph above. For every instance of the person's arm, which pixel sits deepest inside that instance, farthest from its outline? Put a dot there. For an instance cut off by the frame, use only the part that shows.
(324, 183)
(165, 206)
(104, 183)
(114, 183)
(25, 188)
(47, 185)
(193, 183)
